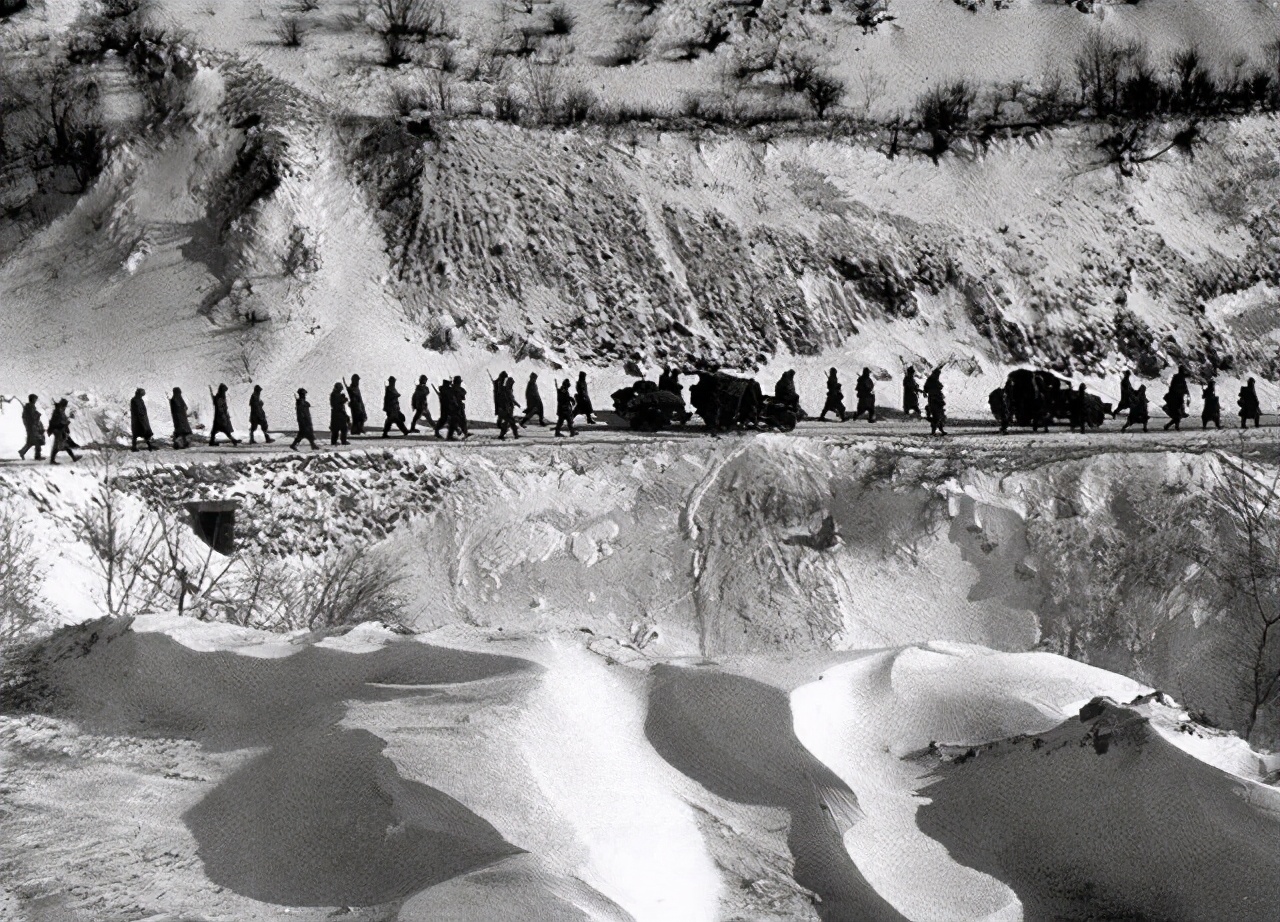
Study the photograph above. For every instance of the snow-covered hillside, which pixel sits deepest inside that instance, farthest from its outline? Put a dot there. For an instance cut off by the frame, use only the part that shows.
(264, 215)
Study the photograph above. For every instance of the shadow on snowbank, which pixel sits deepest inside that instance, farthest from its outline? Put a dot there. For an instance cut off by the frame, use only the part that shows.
(322, 818)
(735, 737)
(1104, 818)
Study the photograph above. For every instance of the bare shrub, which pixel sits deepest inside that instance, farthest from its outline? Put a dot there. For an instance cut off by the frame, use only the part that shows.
(632, 45)
(560, 19)
(869, 14)
(21, 608)
(354, 587)
(1246, 559)
(124, 548)
(306, 6)
(1103, 68)
(78, 134)
(943, 111)
(289, 32)
(871, 86)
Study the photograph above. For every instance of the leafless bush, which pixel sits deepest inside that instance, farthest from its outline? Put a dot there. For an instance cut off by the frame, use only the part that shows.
(354, 587)
(943, 111)
(1103, 68)
(560, 19)
(306, 6)
(440, 85)
(632, 45)
(869, 14)
(871, 86)
(410, 97)
(21, 608)
(289, 32)
(1246, 558)
(124, 549)
(78, 134)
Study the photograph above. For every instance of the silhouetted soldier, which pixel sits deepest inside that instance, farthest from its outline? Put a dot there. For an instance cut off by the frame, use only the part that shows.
(34, 425)
(140, 421)
(935, 406)
(1138, 412)
(506, 407)
(60, 429)
(181, 424)
(999, 403)
(306, 430)
(258, 415)
(1175, 399)
(221, 417)
(1126, 395)
(1211, 412)
(582, 400)
(359, 416)
(669, 381)
(533, 401)
(339, 421)
(497, 392)
(1250, 408)
(785, 390)
(835, 397)
(910, 393)
(865, 388)
(391, 407)
(1078, 417)
(1041, 413)
(418, 402)
(565, 409)
(445, 393)
(459, 421)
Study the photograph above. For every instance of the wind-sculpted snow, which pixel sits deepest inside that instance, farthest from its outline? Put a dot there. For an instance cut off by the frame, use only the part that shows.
(1141, 828)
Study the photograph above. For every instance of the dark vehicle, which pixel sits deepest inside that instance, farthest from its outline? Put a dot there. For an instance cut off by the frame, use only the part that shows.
(729, 402)
(725, 401)
(1037, 398)
(646, 406)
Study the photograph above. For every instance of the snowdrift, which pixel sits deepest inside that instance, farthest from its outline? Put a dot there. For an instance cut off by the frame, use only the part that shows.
(420, 782)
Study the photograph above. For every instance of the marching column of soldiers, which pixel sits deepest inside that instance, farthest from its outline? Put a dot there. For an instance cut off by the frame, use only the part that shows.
(347, 415)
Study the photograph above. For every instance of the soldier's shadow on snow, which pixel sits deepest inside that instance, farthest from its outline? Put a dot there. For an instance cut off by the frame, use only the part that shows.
(322, 818)
(735, 737)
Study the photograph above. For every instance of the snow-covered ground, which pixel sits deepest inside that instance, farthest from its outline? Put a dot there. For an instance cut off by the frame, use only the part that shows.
(646, 684)
(848, 673)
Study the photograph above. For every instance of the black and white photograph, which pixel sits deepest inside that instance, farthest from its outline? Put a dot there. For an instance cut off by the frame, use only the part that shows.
(640, 460)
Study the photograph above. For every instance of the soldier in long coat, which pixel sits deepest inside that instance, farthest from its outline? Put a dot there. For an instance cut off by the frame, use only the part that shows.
(60, 429)
(1250, 407)
(935, 406)
(258, 415)
(359, 416)
(221, 417)
(418, 403)
(835, 397)
(140, 421)
(1211, 412)
(910, 393)
(1138, 411)
(533, 401)
(181, 424)
(1175, 399)
(1126, 395)
(582, 400)
(34, 427)
(306, 430)
(339, 421)
(866, 391)
(565, 409)
(391, 407)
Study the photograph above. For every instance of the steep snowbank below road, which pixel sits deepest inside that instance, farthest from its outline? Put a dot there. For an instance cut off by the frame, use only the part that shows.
(1146, 829)
(411, 782)
(870, 719)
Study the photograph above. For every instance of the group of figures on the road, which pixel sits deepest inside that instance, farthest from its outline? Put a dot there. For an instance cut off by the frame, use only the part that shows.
(1027, 398)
